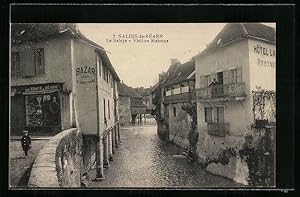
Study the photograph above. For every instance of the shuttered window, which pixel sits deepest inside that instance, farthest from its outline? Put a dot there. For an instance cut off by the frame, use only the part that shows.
(226, 77)
(27, 64)
(233, 75)
(39, 65)
(15, 65)
(207, 80)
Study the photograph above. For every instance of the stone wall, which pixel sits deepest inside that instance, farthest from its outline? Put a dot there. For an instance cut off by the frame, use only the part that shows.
(237, 158)
(59, 162)
(124, 110)
(179, 125)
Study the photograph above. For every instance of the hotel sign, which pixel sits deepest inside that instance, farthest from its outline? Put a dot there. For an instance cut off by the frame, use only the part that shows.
(266, 55)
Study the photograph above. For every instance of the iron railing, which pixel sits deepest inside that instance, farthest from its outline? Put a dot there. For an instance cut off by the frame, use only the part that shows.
(223, 90)
(219, 129)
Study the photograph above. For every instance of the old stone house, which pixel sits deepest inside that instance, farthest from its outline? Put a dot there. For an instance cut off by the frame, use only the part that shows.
(131, 104)
(178, 89)
(61, 79)
(174, 90)
(240, 60)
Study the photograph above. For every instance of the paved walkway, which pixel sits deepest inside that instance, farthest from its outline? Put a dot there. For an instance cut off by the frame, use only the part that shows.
(20, 167)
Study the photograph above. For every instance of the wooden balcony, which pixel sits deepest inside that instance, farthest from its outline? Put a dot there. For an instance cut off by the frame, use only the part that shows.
(224, 92)
(218, 129)
(178, 98)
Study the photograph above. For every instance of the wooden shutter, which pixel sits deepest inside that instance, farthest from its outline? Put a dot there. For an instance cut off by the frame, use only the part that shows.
(202, 81)
(226, 77)
(208, 114)
(39, 61)
(27, 64)
(239, 74)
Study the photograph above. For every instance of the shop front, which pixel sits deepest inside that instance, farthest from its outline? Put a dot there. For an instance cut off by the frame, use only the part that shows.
(37, 108)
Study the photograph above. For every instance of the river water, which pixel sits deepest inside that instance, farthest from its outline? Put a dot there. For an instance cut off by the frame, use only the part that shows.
(143, 160)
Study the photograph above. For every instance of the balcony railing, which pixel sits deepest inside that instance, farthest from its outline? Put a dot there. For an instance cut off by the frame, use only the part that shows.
(219, 129)
(231, 91)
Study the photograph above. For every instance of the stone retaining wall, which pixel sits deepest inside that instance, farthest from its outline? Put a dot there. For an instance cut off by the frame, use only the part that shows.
(59, 162)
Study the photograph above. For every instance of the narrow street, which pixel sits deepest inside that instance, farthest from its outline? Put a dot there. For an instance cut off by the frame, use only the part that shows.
(142, 160)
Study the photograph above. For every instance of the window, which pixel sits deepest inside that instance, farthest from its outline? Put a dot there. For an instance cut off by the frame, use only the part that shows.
(220, 77)
(43, 110)
(108, 109)
(217, 126)
(104, 72)
(39, 61)
(174, 111)
(208, 114)
(15, 65)
(104, 110)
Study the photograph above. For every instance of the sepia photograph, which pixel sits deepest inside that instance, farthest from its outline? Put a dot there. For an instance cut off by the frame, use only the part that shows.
(142, 105)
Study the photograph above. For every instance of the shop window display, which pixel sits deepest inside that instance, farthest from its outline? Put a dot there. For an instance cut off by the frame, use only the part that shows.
(43, 110)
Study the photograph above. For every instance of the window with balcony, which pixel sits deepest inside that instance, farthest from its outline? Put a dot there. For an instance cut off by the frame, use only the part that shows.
(15, 65)
(214, 117)
(227, 85)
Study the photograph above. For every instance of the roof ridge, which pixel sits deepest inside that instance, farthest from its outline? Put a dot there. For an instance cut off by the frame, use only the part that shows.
(244, 29)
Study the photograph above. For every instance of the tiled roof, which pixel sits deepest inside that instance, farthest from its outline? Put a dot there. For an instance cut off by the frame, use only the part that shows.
(37, 32)
(125, 90)
(181, 73)
(235, 31)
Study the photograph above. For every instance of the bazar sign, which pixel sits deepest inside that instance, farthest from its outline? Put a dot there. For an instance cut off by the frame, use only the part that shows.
(85, 74)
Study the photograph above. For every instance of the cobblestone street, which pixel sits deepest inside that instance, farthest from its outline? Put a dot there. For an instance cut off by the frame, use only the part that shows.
(142, 160)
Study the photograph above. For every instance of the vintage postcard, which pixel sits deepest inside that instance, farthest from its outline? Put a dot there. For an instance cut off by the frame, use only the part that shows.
(142, 105)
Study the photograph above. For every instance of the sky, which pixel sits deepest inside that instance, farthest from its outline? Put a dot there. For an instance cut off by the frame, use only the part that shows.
(138, 64)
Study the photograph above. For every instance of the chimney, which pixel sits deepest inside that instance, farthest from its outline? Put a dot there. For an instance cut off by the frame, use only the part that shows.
(174, 61)
(72, 26)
